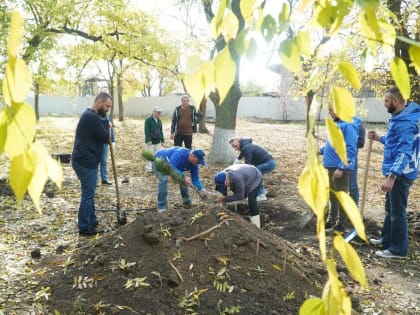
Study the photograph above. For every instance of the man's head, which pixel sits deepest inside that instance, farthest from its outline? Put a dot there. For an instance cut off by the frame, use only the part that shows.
(219, 182)
(185, 100)
(197, 157)
(394, 101)
(234, 142)
(156, 112)
(102, 104)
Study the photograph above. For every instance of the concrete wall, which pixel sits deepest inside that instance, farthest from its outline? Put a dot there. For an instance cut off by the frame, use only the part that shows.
(283, 109)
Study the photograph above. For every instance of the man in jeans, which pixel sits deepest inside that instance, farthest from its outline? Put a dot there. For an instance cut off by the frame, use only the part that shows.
(91, 134)
(400, 168)
(181, 160)
(254, 155)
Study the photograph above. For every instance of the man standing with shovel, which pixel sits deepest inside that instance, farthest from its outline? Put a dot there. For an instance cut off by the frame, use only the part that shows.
(91, 134)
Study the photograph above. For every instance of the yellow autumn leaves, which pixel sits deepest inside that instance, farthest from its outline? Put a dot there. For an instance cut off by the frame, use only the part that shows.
(30, 163)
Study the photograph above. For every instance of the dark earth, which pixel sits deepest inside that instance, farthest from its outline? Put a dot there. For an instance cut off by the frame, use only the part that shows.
(205, 260)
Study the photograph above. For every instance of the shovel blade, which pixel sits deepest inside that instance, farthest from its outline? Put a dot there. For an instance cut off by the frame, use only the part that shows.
(350, 235)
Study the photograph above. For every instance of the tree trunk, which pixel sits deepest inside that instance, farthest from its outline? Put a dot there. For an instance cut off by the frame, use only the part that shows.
(120, 98)
(401, 48)
(221, 152)
(36, 101)
(202, 128)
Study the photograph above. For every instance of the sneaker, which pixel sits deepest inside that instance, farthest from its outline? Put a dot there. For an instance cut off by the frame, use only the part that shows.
(261, 198)
(161, 210)
(90, 232)
(375, 242)
(105, 182)
(387, 254)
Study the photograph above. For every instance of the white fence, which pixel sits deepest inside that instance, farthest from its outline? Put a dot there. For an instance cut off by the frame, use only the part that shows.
(275, 108)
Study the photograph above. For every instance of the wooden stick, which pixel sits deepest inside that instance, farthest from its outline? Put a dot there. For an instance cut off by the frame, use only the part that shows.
(365, 178)
(206, 231)
(176, 270)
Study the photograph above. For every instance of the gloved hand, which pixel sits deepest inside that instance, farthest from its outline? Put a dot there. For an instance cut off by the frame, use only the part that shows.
(203, 194)
(113, 146)
(237, 161)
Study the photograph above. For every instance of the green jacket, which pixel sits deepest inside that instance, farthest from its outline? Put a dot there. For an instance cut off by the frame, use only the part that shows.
(153, 130)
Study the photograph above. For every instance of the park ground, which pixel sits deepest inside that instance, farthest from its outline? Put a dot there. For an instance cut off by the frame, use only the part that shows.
(204, 260)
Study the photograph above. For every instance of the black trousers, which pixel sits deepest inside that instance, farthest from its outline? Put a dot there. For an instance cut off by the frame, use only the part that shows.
(186, 139)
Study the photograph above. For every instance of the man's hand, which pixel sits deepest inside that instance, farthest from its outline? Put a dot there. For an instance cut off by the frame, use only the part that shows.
(188, 181)
(220, 199)
(203, 194)
(113, 146)
(387, 184)
(338, 173)
(172, 136)
(373, 135)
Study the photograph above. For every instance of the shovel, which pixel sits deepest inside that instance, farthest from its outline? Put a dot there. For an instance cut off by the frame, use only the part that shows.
(121, 217)
(349, 236)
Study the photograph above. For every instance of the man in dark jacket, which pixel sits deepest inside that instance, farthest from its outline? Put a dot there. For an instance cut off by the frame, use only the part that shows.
(91, 134)
(254, 155)
(184, 123)
(153, 134)
(243, 180)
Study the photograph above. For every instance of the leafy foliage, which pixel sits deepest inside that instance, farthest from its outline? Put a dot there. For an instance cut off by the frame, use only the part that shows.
(30, 163)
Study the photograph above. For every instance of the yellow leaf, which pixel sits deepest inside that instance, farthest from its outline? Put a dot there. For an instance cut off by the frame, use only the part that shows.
(216, 22)
(313, 187)
(3, 130)
(16, 34)
(352, 212)
(368, 35)
(350, 74)
(370, 8)
(193, 63)
(207, 70)
(303, 41)
(414, 53)
(225, 69)
(46, 167)
(194, 86)
(320, 231)
(6, 92)
(336, 138)
(343, 103)
(21, 169)
(388, 36)
(312, 306)
(18, 79)
(20, 128)
(400, 74)
(303, 4)
(289, 55)
(247, 10)
(336, 299)
(230, 25)
(351, 259)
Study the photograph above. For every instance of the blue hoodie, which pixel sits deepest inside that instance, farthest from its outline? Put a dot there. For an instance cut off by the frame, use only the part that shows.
(350, 134)
(178, 158)
(402, 143)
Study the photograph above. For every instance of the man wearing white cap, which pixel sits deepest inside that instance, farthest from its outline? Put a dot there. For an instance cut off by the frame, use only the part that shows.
(153, 134)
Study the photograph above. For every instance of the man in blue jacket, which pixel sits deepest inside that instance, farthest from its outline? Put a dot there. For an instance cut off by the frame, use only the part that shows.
(338, 173)
(400, 168)
(254, 155)
(181, 160)
(91, 134)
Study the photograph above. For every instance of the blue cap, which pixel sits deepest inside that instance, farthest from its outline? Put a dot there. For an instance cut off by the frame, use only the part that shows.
(200, 155)
(219, 181)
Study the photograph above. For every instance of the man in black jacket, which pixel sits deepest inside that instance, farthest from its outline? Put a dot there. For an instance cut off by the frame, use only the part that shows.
(91, 134)
(254, 155)
(184, 123)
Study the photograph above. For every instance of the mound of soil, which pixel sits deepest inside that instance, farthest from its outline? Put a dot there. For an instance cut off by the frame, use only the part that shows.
(205, 260)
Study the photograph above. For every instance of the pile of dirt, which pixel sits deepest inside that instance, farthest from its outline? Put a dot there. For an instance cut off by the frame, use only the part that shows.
(205, 260)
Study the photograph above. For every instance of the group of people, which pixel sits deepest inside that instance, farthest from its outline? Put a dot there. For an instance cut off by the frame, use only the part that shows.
(400, 165)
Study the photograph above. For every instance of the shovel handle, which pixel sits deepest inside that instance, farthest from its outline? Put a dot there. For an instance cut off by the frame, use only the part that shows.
(365, 178)
(114, 170)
